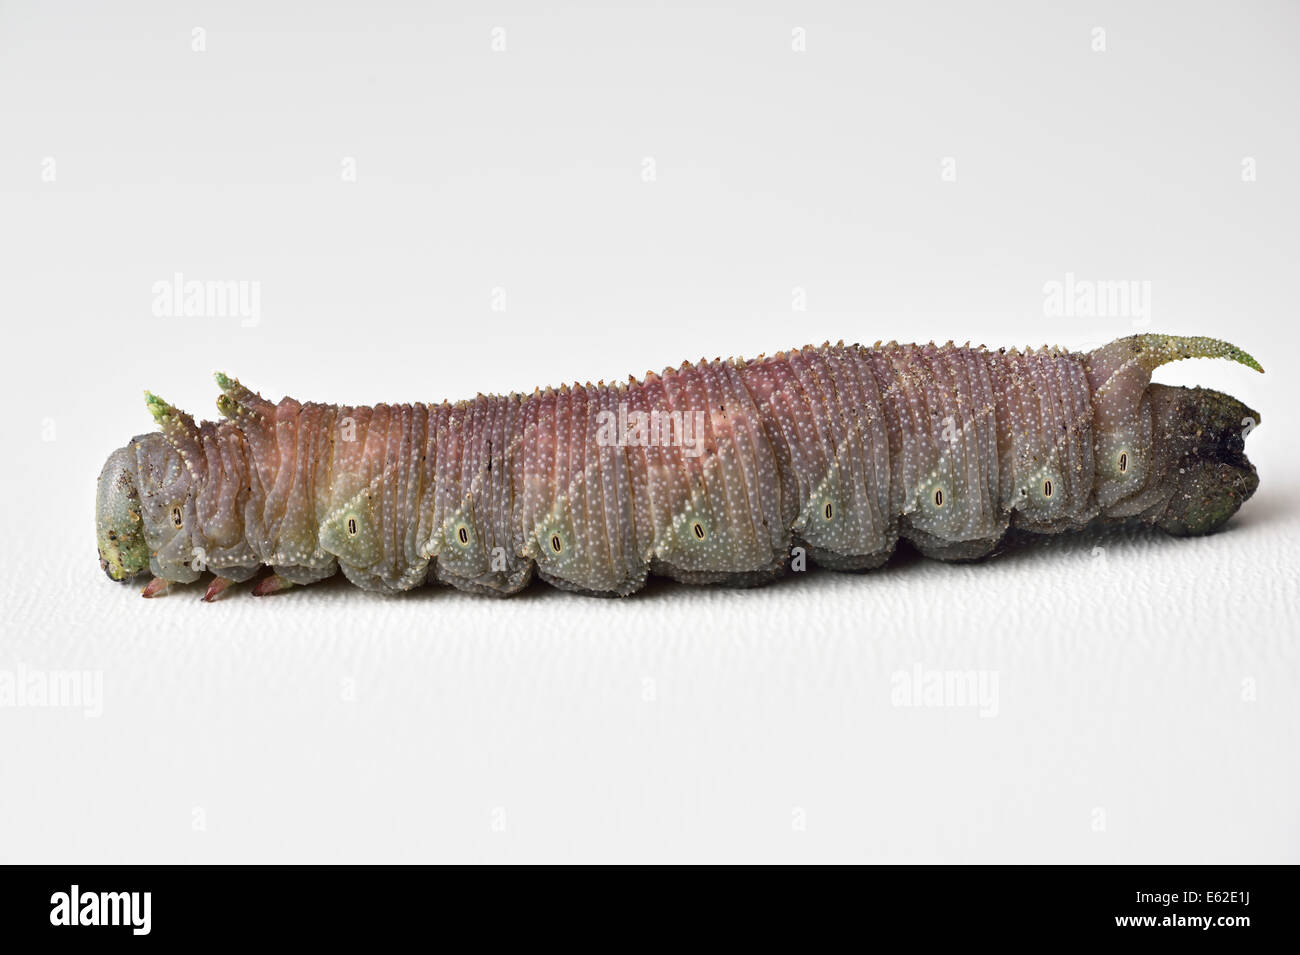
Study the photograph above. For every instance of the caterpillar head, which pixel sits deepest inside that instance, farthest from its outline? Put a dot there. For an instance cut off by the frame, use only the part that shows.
(119, 525)
(144, 505)
(1170, 456)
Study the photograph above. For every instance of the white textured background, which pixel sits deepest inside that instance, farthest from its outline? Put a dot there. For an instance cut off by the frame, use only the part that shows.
(1148, 689)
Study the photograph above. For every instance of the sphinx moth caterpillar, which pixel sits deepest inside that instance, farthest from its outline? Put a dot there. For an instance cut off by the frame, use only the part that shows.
(714, 472)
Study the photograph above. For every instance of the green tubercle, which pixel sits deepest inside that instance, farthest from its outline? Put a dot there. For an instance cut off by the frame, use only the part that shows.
(237, 400)
(226, 401)
(159, 408)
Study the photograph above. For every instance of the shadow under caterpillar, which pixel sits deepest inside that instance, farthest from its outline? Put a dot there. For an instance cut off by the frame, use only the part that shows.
(717, 472)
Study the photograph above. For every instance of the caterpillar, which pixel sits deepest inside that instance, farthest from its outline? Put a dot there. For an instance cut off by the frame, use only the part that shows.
(720, 472)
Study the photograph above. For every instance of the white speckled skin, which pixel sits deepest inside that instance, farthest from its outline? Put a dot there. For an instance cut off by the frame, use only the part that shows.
(838, 450)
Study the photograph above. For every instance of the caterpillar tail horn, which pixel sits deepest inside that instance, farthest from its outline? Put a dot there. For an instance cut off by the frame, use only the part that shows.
(1195, 474)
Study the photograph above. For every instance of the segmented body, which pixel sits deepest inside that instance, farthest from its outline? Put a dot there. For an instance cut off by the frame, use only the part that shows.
(713, 472)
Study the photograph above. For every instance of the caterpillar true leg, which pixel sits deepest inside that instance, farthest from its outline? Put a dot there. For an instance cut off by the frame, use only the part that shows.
(155, 587)
(216, 588)
(272, 584)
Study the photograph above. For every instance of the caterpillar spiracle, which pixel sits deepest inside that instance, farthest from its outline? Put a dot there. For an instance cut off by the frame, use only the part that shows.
(721, 472)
